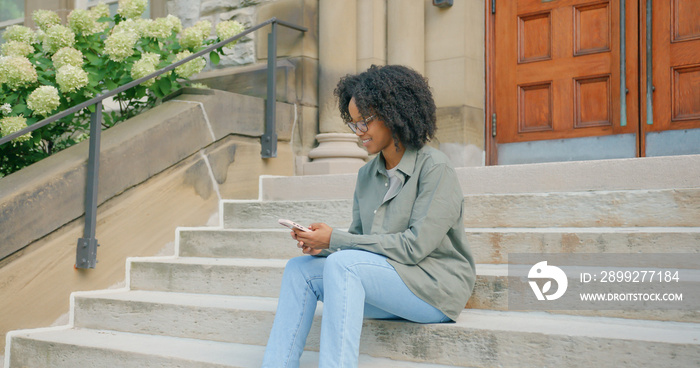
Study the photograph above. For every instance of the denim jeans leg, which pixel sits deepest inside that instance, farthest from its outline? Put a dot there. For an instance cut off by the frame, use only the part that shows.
(356, 280)
(302, 287)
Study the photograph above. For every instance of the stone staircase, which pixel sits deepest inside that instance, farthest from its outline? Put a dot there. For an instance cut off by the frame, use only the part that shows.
(213, 303)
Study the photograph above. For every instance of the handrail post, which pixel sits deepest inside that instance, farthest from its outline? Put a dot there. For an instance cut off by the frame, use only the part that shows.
(268, 141)
(86, 255)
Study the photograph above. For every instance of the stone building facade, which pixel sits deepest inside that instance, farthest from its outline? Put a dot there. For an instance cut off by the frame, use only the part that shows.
(446, 44)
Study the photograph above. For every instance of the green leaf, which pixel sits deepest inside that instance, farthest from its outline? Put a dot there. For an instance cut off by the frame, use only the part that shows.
(214, 57)
(164, 85)
(19, 108)
(110, 84)
(156, 91)
(93, 59)
(91, 108)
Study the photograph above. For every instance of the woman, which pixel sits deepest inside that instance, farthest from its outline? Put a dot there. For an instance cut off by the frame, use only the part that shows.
(405, 255)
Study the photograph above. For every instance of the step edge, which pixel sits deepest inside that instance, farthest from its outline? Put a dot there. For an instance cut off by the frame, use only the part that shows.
(538, 322)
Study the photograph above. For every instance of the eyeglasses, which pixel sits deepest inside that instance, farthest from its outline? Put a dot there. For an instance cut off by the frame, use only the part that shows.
(360, 125)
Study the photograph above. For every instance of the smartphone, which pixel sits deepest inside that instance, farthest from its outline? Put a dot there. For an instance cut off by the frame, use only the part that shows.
(292, 225)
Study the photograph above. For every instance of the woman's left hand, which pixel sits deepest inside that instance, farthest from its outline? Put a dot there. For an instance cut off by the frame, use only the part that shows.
(318, 238)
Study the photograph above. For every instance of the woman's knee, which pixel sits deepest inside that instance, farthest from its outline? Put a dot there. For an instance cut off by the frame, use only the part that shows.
(297, 263)
(342, 258)
(299, 266)
(302, 274)
(348, 258)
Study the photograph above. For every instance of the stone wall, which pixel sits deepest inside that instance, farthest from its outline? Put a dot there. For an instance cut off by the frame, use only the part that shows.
(297, 74)
(454, 63)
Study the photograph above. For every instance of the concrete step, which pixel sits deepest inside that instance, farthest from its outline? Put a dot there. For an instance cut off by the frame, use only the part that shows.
(66, 347)
(226, 276)
(492, 245)
(263, 277)
(234, 243)
(489, 245)
(238, 319)
(478, 338)
(635, 208)
(573, 176)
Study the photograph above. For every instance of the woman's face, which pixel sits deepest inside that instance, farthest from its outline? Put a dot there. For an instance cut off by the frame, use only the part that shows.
(377, 137)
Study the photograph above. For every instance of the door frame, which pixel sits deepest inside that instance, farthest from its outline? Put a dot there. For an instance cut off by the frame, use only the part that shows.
(489, 62)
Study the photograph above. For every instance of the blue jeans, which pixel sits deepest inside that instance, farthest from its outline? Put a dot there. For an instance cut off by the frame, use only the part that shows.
(352, 284)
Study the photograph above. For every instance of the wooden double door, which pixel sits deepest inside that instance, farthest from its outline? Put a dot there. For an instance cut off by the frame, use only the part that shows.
(564, 69)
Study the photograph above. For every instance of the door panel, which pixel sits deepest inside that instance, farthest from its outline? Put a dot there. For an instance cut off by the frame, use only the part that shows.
(557, 70)
(676, 65)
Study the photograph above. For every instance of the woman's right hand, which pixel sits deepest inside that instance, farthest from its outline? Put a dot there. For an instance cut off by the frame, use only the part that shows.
(304, 249)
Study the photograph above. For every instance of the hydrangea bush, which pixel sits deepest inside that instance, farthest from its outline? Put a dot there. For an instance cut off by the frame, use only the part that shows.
(56, 66)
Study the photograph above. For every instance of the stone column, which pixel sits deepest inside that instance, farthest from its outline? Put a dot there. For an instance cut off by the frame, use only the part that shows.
(406, 33)
(371, 33)
(338, 151)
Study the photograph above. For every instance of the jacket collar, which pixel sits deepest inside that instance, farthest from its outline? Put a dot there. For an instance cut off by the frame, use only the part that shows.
(405, 166)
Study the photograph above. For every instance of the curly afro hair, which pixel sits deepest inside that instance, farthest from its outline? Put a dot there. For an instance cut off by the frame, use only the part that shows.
(397, 95)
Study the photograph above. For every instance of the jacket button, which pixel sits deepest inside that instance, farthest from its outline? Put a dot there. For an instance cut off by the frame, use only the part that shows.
(375, 211)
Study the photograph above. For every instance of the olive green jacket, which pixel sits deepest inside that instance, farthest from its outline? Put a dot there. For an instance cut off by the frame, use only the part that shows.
(420, 229)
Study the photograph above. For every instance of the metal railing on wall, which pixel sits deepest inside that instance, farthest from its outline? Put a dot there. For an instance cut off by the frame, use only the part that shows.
(86, 254)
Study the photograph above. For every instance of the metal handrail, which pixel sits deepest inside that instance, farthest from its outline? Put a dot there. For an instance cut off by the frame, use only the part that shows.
(86, 255)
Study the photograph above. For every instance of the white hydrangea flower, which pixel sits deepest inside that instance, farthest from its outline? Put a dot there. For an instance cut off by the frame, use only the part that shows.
(6, 109)
(132, 8)
(67, 56)
(13, 124)
(142, 25)
(40, 35)
(151, 57)
(159, 28)
(82, 21)
(191, 68)
(100, 10)
(120, 45)
(71, 78)
(46, 19)
(58, 37)
(100, 27)
(228, 29)
(138, 26)
(20, 34)
(141, 69)
(204, 26)
(17, 71)
(43, 100)
(15, 48)
(125, 25)
(199, 85)
(191, 37)
(175, 22)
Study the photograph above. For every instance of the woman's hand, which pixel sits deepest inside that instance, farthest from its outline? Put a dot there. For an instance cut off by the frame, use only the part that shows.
(316, 240)
(304, 249)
